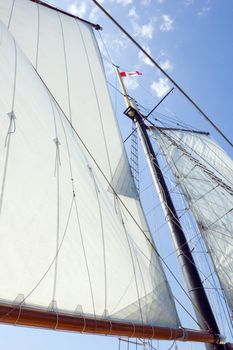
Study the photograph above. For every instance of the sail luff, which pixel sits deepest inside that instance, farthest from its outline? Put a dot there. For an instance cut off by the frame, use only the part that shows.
(22, 316)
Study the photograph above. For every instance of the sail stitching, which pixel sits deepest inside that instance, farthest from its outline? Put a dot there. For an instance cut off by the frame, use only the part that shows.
(12, 124)
(10, 17)
(66, 67)
(200, 165)
(49, 267)
(97, 99)
(76, 205)
(104, 176)
(207, 227)
(57, 175)
(38, 36)
(97, 192)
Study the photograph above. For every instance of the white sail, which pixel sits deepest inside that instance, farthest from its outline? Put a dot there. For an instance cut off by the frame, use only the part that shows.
(67, 242)
(204, 173)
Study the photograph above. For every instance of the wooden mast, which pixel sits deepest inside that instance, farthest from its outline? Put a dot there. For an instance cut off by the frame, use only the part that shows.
(196, 290)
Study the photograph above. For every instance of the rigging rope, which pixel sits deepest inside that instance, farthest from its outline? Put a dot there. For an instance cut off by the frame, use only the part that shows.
(120, 201)
(164, 73)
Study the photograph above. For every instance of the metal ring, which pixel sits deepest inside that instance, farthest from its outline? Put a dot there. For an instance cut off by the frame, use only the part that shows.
(84, 325)
(20, 309)
(57, 316)
(132, 336)
(153, 333)
(110, 331)
(170, 338)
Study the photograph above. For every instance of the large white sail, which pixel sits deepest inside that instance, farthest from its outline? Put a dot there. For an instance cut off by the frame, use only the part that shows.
(204, 173)
(67, 242)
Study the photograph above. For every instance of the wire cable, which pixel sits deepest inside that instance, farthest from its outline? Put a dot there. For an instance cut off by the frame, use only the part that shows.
(179, 88)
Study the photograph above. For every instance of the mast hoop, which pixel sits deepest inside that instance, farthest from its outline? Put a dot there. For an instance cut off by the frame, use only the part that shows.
(84, 325)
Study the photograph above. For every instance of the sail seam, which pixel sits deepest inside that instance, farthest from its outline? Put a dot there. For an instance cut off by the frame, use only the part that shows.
(104, 176)
(10, 17)
(97, 100)
(10, 132)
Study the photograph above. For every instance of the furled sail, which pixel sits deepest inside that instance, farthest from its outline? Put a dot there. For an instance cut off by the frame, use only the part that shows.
(68, 243)
(204, 173)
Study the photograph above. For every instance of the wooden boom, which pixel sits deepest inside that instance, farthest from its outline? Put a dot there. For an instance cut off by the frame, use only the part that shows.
(24, 316)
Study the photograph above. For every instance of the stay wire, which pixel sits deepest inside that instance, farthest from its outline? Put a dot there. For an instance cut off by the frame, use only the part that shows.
(179, 88)
(120, 200)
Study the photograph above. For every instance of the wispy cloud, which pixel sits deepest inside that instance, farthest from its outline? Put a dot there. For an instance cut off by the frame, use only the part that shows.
(160, 87)
(145, 2)
(77, 10)
(166, 64)
(147, 30)
(203, 11)
(95, 12)
(167, 23)
(143, 30)
(188, 2)
(144, 58)
(125, 2)
(133, 13)
(131, 83)
(117, 44)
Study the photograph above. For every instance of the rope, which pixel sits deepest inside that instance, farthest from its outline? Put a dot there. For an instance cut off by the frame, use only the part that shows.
(12, 8)
(10, 130)
(97, 192)
(49, 267)
(116, 195)
(165, 74)
(38, 36)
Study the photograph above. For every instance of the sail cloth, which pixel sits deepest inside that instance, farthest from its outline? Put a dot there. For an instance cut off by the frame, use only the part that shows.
(67, 241)
(204, 173)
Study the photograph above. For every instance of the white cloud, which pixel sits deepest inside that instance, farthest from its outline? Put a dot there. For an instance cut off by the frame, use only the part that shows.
(131, 83)
(132, 13)
(77, 10)
(188, 2)
(117, 44)
(203, 11)
(160, 87)
(144, 58)
(125, 2)
(147, 30)
(93, 16)
(166, 64)
(145, 2)
(167, 24)
(95, 12)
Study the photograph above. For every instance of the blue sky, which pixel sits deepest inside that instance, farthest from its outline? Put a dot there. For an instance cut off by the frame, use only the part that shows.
(192, 41)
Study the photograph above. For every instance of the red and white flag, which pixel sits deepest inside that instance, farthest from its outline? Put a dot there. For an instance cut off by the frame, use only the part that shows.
(130, 74)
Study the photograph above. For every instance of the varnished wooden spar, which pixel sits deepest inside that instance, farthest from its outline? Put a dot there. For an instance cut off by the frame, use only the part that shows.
(45, 4)
(24, 316)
